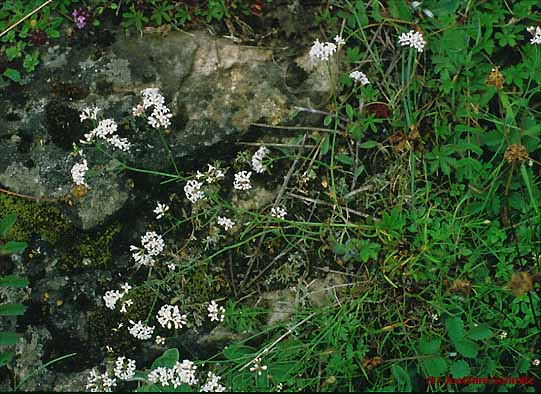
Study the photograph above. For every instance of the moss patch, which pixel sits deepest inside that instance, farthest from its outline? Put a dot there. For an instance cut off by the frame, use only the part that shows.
(42, 219)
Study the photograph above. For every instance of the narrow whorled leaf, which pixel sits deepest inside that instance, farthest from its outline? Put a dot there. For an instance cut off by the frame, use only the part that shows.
(6, 357)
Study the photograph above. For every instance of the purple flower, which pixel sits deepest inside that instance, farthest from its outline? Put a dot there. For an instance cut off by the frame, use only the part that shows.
(81, 17)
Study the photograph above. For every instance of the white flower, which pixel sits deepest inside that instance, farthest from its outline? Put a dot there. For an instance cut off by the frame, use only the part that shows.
(78, 172)
(138, 110)
(160, 340)
(212, 175)
(160, 210)
(89, 113)
(121, 143)
(536, 362)
(124, 370)
(97, 383)
(503, 335)
(169, 314)
(278, 212)
(125, 288)
(152, 98)
(111, 298)
(360, 77)
(242, 180)
(216, 313)
(213, 384)
(412, 39)
(171, 266)
(184, 372)
(339, 40)
(153, 243)
(126, 304)
(140, 330)
(257, 160)
(322, 50)
(434, 316)
(257, 367)
(160, 374)
(226, 223)
(193, 191)
(536, 32)
(160, 117)
(141, 257)
(105, 127)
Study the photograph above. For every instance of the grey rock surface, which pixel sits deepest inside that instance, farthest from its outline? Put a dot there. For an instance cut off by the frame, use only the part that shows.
(215, 89)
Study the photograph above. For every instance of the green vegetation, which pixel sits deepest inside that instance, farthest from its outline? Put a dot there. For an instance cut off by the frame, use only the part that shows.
(411, 246)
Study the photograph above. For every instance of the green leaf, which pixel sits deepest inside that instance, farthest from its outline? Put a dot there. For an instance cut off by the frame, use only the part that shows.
(239, 353)
(9, 338)
(13, 281)
(12, 74)
(455, 328)
(53, 33)
(12, 247)
(361, 13)
(466, 347)
(325, 145)
(402, 377)
(149, 388)
(435, 367)
(480, 332)
(349, 111)
(460, 369)
(327, 121)
(429, 345)
(6, 357)
(6, 223)
(368, 144)
(12, 309)
(168, 359)
(345, 159)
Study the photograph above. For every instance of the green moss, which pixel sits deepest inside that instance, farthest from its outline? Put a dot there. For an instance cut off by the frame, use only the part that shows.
(200, 286)
(143, 299)
(92, 250)
(43, 219)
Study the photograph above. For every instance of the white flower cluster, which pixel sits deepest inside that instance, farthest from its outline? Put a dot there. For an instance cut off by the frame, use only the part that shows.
(536, 362)
(160, 340)
(111, 297)
(216, 313)
(106, 130)
(257, 367)
(360, 77)
(124, 369)
(160, 210)
(97, 383)
(170, 315)
(161, 115)
(193, 191)
(257, 160)
(140, 330)
(89, 113)
(412, 39)
(322, 50)
(153, 245)
(78, 172)
(226, 223)
(213, 384)
(242, 180)
(181, 373)
(278, 212)
(536, 33)
(212, 175)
